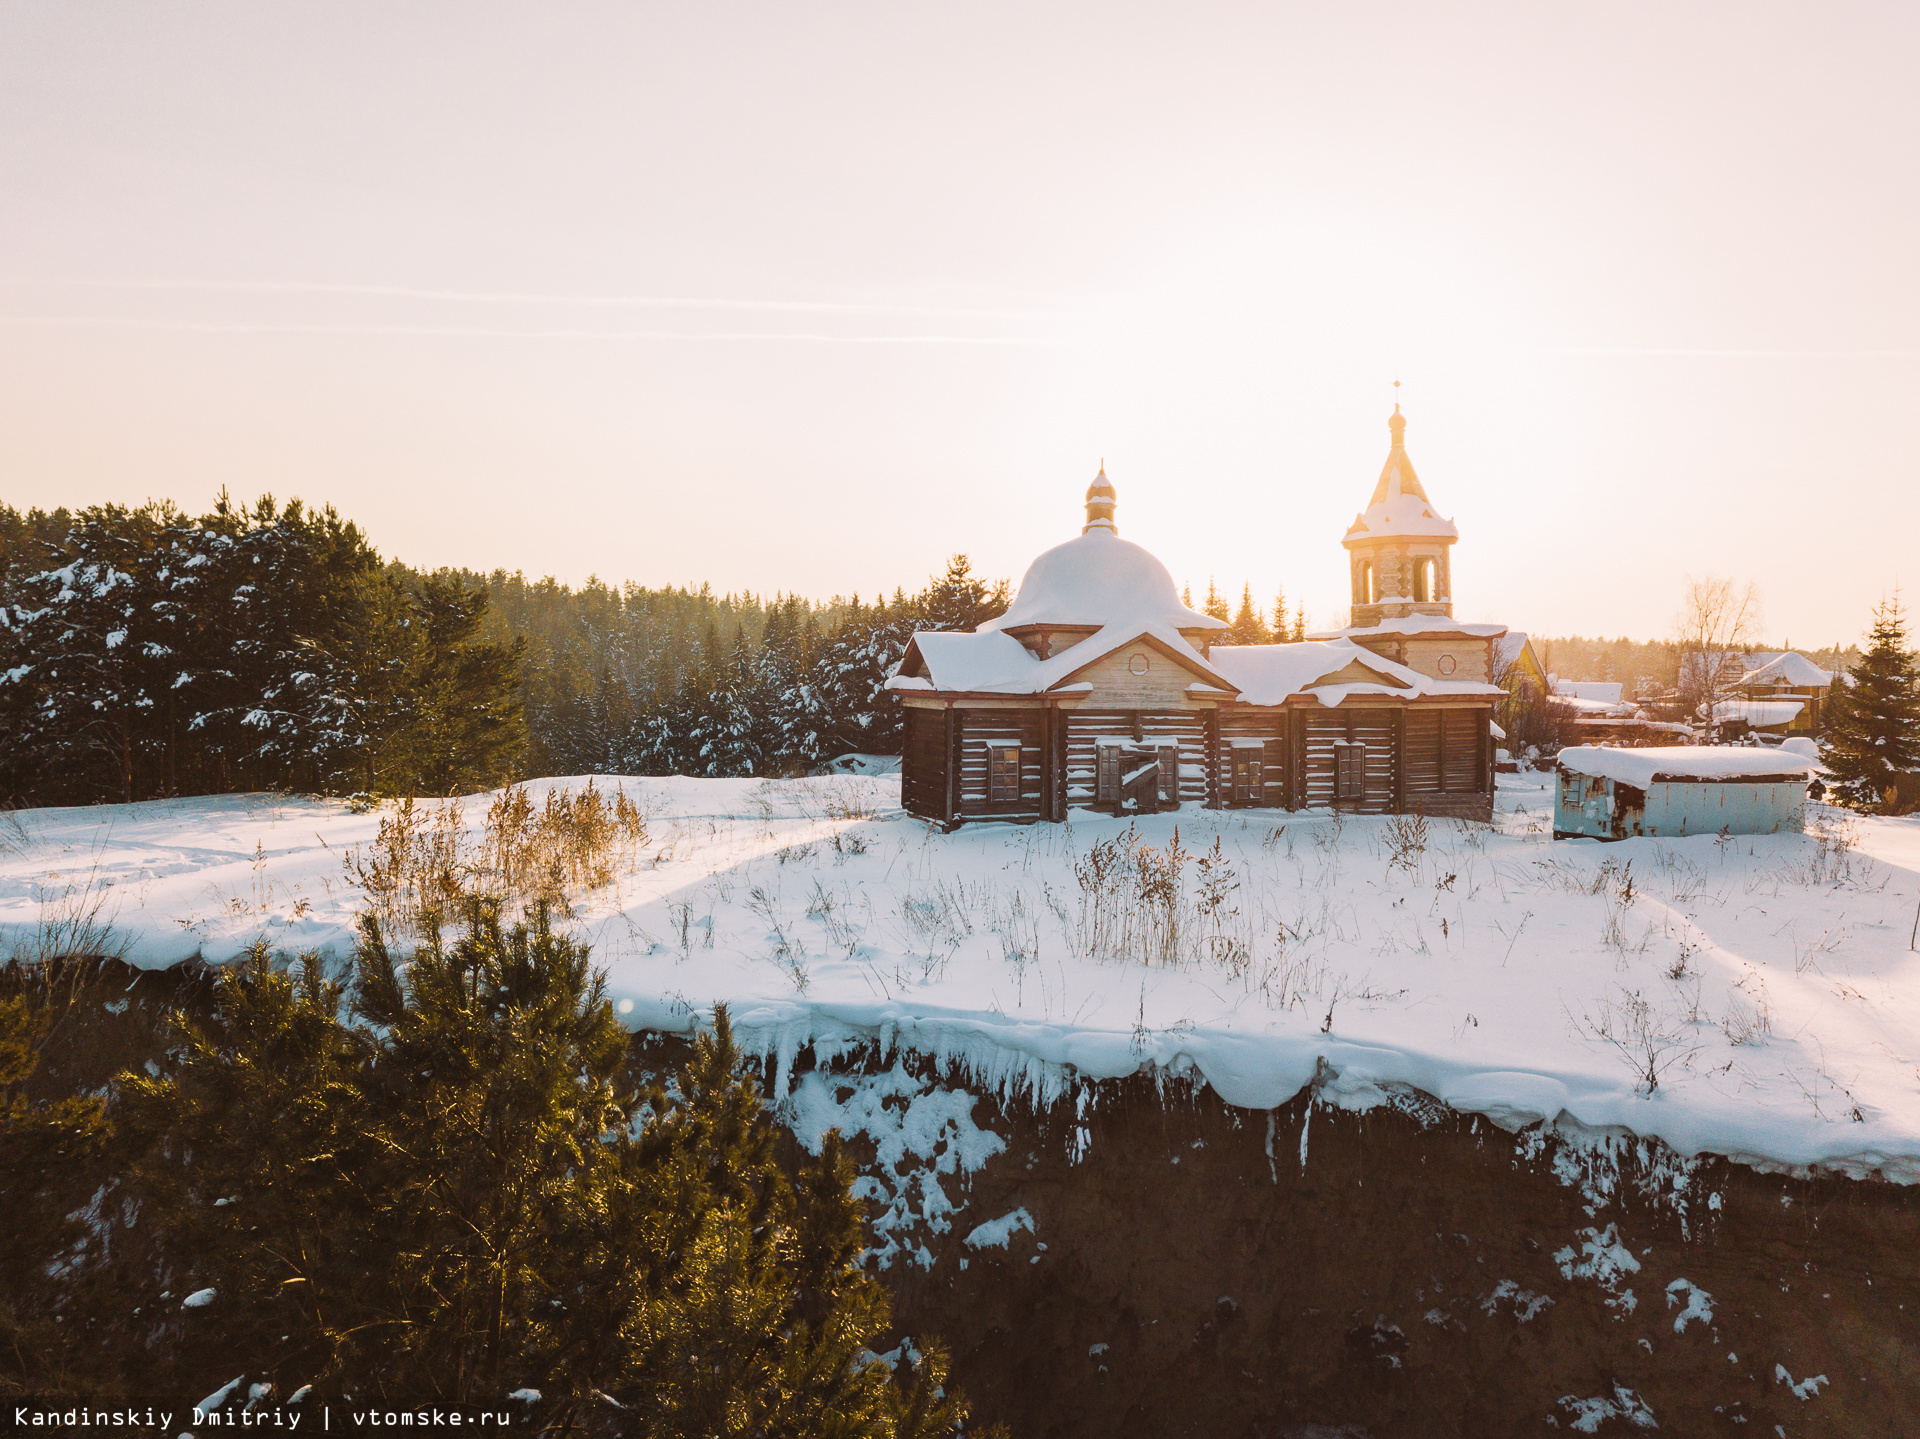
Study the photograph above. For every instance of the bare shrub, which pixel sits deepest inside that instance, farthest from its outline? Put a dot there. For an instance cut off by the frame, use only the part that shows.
(1645, 1038)
(848, 799)
(412, 871)
(787, 954)
(425, 857)
(75, 922)
(14, 837)
(1749, 1016)
(1407, 836)
(1132, 900)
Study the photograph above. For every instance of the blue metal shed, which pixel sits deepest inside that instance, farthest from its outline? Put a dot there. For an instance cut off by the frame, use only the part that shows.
(1607, 793)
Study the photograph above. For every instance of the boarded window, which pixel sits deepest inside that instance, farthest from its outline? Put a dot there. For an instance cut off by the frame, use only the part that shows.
(1249, 778)
(1169, 773)
(1106, 781)
(1003, 774)
(1349, 769)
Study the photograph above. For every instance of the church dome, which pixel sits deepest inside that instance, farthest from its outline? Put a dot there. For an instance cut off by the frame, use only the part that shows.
(1100, 579)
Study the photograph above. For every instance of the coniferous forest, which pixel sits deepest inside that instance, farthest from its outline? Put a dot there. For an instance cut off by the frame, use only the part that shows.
(145, 652)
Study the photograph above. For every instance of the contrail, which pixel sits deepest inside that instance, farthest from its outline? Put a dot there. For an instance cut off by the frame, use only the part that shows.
(471, 332)
(1731, 354)
(510, 297)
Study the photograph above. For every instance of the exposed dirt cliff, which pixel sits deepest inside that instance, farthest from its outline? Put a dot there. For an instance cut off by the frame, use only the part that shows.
(1185, 1267)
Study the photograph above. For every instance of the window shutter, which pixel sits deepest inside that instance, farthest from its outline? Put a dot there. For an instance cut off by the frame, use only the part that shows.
(1169, 773)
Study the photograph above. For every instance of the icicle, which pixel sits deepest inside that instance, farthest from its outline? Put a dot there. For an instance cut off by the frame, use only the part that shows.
(1305, 1124)
(1272, 1168)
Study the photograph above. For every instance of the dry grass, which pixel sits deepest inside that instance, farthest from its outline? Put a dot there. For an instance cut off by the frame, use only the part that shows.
(426, 856)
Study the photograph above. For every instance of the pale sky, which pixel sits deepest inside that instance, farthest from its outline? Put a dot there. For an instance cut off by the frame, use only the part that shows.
(807, 297)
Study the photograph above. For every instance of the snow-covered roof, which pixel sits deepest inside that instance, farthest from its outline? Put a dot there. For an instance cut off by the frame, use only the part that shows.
(1428, 625)
(993, 663)
(1642, 767)
(1758, 713)
(1267, 674)
(989, 662)
(1606, 691)
(1100, 579)
(1786, 668)
(1509, 648)
(1399, 505)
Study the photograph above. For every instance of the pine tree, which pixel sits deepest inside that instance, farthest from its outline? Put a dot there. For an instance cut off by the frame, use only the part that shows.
(93, 640)
(960, 599)
(455, 723)
(1248, 627)
(44, 1145)
(1873, 725)
(1215, 606)
(472, 1191)
(1280, 616)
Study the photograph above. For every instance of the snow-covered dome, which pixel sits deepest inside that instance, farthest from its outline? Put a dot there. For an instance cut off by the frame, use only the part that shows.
(1099, 579)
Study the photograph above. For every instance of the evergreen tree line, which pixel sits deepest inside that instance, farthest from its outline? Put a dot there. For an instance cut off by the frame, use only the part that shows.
(449, 1181)
(145, 652)
(639, 681)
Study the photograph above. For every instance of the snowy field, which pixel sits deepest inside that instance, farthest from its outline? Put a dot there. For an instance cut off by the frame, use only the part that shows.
(1753, 997)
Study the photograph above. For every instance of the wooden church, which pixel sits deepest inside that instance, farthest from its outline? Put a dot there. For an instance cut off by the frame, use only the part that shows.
(1099, 689)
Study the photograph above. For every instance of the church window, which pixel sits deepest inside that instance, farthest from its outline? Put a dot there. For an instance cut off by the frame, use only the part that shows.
(1003, 774)
(1169, 773)
(1423, 580)
(1248, 775)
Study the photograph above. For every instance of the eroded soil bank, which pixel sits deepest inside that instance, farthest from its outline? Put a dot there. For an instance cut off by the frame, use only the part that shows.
(1148, 1260)
(1193, 1268)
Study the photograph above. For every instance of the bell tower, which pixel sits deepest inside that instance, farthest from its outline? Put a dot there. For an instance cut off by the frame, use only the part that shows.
(1398, 546)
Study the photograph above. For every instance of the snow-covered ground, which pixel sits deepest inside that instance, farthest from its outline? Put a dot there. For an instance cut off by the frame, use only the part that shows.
(1768, 983)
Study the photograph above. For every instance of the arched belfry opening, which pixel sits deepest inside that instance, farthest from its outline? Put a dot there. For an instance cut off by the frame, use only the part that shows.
(1400, 543)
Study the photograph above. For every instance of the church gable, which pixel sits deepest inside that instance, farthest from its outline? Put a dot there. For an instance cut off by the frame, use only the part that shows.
(1143, 673)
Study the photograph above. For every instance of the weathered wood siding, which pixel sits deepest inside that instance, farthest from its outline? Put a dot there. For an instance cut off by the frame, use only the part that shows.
(1375, 728)
(1115, 687)
(1448, 763)
(1472, 657)
(1188, 729)
(982, 728)
(923, 764)
(1271, 728)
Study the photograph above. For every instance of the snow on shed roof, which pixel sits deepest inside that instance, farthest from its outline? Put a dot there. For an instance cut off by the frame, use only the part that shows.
(1642, 767)
(1097, 578)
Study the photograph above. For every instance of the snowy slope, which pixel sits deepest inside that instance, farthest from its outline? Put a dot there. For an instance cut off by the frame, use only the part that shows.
(1769, 978)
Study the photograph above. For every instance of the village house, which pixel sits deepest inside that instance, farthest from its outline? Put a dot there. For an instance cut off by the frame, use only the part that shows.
(1516, 667)
(1766, 692)
(1099, 688)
